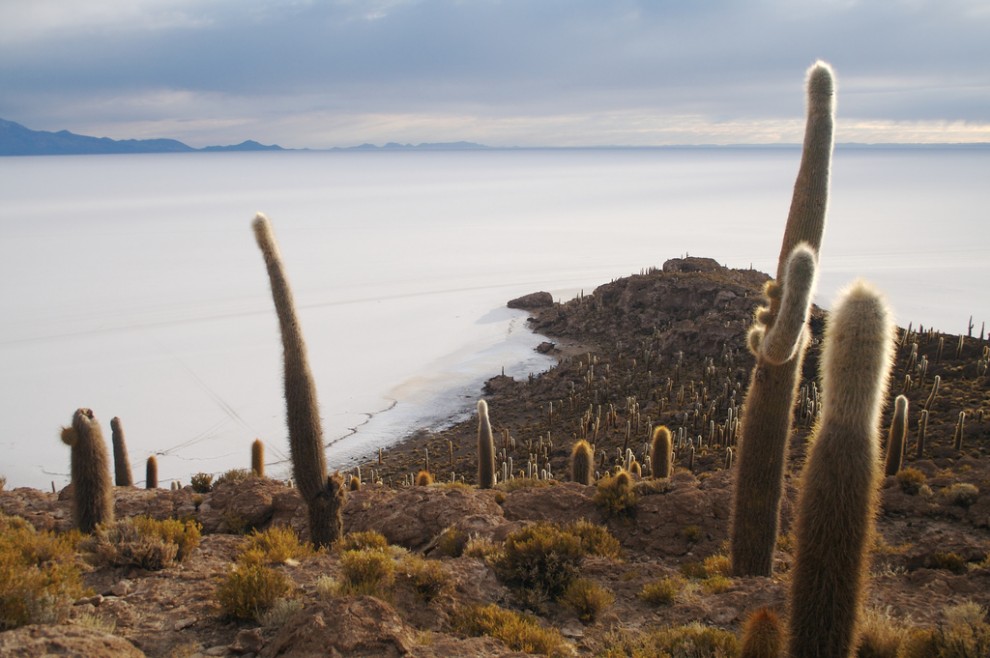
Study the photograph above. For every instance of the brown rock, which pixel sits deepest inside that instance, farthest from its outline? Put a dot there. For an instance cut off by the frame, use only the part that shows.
(532, 300)
(349, 626)
(240, 506)
(42, 640)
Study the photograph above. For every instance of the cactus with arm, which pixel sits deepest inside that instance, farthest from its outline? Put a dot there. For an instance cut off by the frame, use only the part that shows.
(92, 491)
(780, 333)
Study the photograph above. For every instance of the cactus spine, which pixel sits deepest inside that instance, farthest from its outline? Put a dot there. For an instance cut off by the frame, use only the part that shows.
(661, 452)
(324, 496)
(582, 463)
(92, 491)
(897, 437)
(258, 458)
(838, 491)
(770, 400)
(151, 473)
(486, 448)
(121, 464)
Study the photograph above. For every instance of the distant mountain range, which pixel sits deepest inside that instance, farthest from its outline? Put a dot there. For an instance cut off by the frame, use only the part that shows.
(16, 139)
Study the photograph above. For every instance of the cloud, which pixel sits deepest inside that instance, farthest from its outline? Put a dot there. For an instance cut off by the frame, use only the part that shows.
(488, 64)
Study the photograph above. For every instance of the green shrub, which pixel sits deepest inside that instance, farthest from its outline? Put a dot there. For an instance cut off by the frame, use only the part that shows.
(202, 483)
(40, 575)
(233, 476)
(518, 632)
(540, 558)
(587, 599)
(276, 545)
(366, 571)
(615, 496)
(595, 539)
(428, 578)
(662, 591)
(962, 494)
(964, 634)
(690, 641)
(186, 535)
(911, 480)
(359, 541)
(451, 542)
(249, 590)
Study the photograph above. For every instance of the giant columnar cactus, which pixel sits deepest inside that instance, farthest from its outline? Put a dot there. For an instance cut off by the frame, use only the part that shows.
(661, 453)
(121, 464)
(838, 495)
(324, 496)
(897, 437)
(779, 342)
(486, 448)
(582, 463)
(92, 491)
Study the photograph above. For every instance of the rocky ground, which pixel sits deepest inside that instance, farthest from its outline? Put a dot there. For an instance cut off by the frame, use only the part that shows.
(666, 346)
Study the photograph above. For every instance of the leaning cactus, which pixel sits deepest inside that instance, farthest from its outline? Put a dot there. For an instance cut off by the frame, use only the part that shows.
(838, 495)
(486, 448)
(779, 343)
(121, 464)
(92, 491)
(324, 496)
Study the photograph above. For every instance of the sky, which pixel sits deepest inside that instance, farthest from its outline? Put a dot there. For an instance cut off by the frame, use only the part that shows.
(319, 74)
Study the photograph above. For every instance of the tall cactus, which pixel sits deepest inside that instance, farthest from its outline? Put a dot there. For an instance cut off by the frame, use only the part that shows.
(92, 491)
(897, 437)
(778, 341)
(121, 464)
(838, 491)
(486, 448)
(324, 497)
(151, 473)
(582, 463)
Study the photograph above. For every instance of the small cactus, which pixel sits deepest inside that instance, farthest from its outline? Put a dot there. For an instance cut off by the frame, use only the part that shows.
(486, 448)
(121, 464)
(151, 473)
(763, 635)
(838, 495)
(424, 479)
(897, 437)
(258, 458)
(582, 463)
(661, 452)
(92, 491)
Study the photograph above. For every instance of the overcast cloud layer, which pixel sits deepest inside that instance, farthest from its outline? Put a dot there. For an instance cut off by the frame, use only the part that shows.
(304, 73)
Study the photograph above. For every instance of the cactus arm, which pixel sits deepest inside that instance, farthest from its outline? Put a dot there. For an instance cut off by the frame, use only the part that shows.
(782, 339)
(839, 485)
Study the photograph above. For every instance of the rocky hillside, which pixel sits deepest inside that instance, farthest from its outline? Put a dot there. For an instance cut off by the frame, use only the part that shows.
(515, 570)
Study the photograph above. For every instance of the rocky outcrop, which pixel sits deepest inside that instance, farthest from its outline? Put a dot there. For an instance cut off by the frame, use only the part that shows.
(65, 640)
(531, 301)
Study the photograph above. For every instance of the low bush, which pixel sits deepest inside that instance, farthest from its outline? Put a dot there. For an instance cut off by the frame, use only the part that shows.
(662, 591)
(964, 634)
(587, 599)
(911, 480)
(540, 558)
(962, 494)
(518, 632)
(249, 590)
(202, 483)
(595, 539)
(358, 541)
(615, 496)
(366, 571)
(690, 641)
(276, 545)
(40, 575)
(427, 578)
